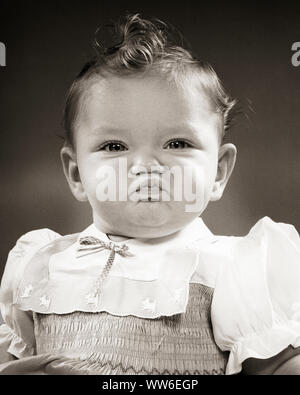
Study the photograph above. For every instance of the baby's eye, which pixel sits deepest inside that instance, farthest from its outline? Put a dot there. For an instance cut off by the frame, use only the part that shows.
(178, 144)
(113, 147)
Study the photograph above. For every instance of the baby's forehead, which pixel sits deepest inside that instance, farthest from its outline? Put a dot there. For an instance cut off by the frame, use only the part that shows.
(150, 94)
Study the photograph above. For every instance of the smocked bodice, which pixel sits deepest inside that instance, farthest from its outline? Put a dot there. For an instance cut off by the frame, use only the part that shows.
(106, 344)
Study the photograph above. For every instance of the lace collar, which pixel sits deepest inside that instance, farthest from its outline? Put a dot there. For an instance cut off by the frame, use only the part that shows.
(152, 282)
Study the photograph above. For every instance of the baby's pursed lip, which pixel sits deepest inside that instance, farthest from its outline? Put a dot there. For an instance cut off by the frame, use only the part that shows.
(146, 188)
(144, 183)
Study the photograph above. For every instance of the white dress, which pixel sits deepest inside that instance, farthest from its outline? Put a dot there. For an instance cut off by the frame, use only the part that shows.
(255, 308)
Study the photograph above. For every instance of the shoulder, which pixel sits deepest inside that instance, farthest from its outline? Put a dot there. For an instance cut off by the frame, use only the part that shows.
(267, 251)
(267, 228)
(268, 254)
(266, 239)
(33, 239)
(30, 242)
(256, 309)
(26, 246)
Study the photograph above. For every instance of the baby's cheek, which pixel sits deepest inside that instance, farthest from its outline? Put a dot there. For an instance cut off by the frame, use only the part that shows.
(196, 190)
(90, 184)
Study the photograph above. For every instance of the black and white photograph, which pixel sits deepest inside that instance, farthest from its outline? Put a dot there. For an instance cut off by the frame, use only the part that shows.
(150, 189)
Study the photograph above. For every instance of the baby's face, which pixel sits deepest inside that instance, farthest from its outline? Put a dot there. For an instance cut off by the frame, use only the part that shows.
(140, 129)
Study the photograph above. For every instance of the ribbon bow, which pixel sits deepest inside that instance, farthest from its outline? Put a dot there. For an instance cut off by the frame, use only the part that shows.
(90, 245)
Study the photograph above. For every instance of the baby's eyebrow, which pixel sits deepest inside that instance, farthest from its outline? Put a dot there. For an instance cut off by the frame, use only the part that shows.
(185, 127)
(177, 129)
(109, 129)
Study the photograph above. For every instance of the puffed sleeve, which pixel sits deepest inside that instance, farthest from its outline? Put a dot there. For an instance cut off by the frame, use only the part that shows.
(256, 304)
(17, 333)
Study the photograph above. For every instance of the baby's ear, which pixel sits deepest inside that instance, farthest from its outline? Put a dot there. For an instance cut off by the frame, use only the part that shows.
(69, 162)
(226, 162)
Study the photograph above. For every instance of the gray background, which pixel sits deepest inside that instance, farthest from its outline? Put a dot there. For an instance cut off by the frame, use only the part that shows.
(249, 45)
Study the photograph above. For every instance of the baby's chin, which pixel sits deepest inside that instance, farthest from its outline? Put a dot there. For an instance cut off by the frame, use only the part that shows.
(151, 222)
(150, 219)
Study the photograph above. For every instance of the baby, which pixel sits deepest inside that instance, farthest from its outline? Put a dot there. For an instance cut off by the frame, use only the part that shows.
(147, 288)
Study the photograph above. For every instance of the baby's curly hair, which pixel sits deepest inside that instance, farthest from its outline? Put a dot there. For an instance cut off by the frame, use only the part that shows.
(141, 46)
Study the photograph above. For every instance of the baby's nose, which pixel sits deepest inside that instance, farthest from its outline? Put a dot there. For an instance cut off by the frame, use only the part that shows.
(146, 165)
(138, 170)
